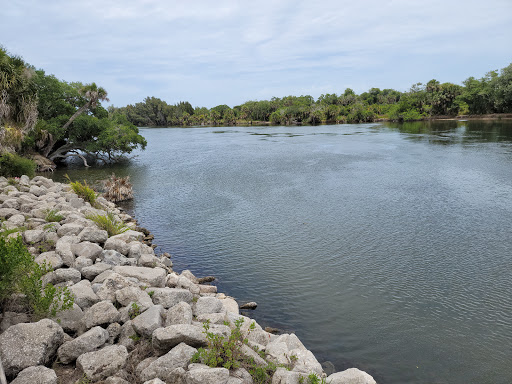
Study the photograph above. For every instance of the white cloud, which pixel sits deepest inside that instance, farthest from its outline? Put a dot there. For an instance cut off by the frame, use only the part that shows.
(230, 51)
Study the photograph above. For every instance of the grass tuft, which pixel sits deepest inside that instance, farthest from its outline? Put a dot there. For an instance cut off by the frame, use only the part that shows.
(109, 223)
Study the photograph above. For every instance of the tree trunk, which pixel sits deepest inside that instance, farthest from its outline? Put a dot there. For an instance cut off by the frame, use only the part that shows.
(76, 114)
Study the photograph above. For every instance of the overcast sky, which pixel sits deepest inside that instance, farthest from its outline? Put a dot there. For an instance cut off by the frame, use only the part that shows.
(227, 52)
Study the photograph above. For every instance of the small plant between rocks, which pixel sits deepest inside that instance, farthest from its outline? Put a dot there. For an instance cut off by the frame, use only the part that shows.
(83, 191)
(227, 353)
(109, 223)
(52, 216)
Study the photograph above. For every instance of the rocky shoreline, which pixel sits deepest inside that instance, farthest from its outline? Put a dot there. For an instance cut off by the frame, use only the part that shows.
(134, 319)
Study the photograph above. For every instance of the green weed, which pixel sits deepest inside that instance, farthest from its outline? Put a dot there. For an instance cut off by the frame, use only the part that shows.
(109, 223)
(52, 215)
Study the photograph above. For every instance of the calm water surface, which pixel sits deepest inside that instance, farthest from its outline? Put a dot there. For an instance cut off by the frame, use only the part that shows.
(385, 247)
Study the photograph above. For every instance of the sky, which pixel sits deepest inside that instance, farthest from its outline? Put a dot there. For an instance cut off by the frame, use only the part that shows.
(228, 52)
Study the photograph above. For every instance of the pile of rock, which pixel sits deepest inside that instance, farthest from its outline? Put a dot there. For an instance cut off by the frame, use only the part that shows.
(134, 320)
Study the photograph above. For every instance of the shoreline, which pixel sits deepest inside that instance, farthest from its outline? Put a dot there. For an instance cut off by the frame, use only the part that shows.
(107, 274)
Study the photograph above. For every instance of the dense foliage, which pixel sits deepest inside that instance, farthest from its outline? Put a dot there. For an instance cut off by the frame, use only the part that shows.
(12, 165)
(19, 273)
(490, 94)
(40, 114)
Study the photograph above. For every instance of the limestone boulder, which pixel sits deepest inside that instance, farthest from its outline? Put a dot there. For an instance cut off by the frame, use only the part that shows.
(94, 270)
(164, 339)
(86, 249)
(148, 321)
(129, 295)
(106, 362)
(117, 245)
(114, 258)
(36, 375)
(351, 376)
(100, 313)
(33, 236)
(83, 294)
(50, 259)
(70, 319)
(165, 367)
(207, 376)
(90, 341)
(205, 305)
(94, 235)
(29, 344)
(113, 283)
(169, 297)
(180, 313)
(153, 277)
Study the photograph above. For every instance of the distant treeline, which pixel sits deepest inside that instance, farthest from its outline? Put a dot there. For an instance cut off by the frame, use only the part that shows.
(490, 94)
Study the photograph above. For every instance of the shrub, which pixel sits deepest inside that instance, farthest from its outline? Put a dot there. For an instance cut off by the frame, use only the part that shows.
(12, 165)
(20, 273)
(109, 223)
(118, 188)
(83, 191)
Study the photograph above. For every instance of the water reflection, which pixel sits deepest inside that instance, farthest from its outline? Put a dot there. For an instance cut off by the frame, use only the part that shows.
(446, 132)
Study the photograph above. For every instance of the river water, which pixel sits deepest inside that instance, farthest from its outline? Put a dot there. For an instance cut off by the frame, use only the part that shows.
(383, 246)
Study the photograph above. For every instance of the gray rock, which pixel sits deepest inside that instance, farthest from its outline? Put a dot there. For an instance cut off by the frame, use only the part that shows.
(166, 338)
(351, 376)
(230, 305)
(102, 277)
(114, 258)
(93, 235)
(172, 280)
(84, 295)
(129, 295)
(94, 270)
(189, 275)
(50, 259)
(17, 220)
(76, 202)
(11, 203)
(70, 319)
(8, 212)
(154, 381)
(148, 321)
(101, 364)
(62, 275)
(165, 367)
(250, 305)
(169, 297)
(154, 277)
(70, 229)
(283, 376)
(128, 335)
(36, 375)
(81, 262)
(111, 285)
(304, 361)
(100, 313)
(207, 288)
(33, 235)
(29, 344)
(86, 249)
(242, 375)
(251, 353)
(207, 376)
(205, 305)
(38, 191)
(13, 318)
(117, 245)
(147, 260)
(180, 313)
(114, 330)
(129, 236)
(185, 283)
(116, 380)
(213, 318)
(90, 341)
